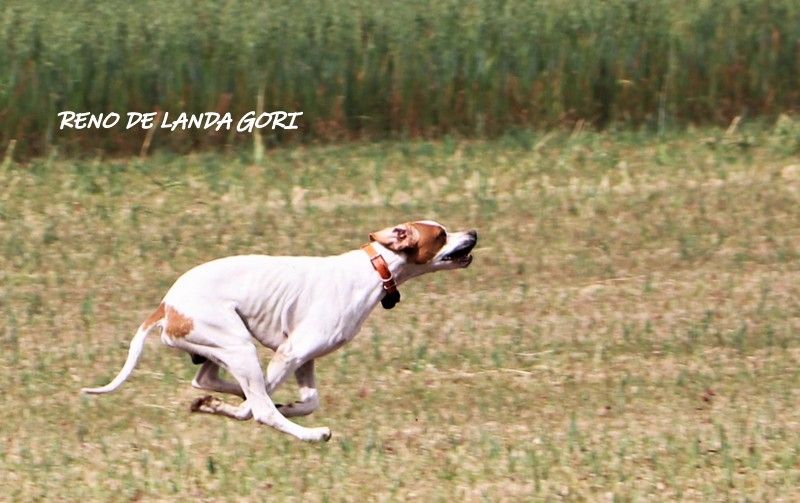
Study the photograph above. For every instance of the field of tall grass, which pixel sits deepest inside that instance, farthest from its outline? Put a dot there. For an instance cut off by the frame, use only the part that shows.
(364, 68)
(628, 330)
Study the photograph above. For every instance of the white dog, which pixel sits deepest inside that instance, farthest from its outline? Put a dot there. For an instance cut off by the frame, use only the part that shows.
(300, 307)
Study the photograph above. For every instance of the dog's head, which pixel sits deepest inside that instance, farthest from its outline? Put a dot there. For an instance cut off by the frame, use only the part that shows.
(427, 246)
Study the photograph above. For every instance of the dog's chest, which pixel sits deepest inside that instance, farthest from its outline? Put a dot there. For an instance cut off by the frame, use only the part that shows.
(329, 321)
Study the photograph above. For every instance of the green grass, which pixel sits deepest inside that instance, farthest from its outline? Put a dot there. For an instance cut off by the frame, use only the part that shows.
(368, 69)
(628, 329)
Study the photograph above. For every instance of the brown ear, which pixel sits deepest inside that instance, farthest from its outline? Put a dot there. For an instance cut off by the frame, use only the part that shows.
(399, 238)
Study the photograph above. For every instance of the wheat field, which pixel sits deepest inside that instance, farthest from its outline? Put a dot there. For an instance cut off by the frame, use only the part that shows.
(362, 69)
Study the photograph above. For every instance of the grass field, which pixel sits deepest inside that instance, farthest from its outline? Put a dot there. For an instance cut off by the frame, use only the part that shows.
(627, 331)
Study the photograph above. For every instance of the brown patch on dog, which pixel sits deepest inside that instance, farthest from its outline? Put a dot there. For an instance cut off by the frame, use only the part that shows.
(420, 240)
(178, 325)
(430, 239)
(155, 317)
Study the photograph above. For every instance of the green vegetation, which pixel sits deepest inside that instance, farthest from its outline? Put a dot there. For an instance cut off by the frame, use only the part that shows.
(364, 68)
(627, 331)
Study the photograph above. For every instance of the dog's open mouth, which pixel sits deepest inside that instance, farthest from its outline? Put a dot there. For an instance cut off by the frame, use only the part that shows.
(460, 255)
(465, 260)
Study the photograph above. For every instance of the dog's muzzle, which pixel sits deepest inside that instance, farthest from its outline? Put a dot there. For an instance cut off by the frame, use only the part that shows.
(461, 253)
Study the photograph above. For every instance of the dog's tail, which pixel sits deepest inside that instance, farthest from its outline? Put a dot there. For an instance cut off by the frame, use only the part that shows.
(135, 351)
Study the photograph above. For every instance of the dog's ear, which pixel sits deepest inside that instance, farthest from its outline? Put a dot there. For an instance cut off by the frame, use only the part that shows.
(398, 238)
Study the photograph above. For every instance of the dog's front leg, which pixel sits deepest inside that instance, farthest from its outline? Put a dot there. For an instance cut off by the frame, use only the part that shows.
(285, 361)
(309, 400)
(295, 352)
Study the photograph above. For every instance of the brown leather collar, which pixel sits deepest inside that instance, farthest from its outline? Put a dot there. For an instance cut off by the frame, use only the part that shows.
(392, 296)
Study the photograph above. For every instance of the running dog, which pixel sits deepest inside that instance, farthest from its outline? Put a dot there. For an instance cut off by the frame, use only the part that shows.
(300, 307)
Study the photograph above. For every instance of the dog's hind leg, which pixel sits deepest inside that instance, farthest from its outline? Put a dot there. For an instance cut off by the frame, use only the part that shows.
(208, 378)
(212, 405)
(242, 363)
(222, 338)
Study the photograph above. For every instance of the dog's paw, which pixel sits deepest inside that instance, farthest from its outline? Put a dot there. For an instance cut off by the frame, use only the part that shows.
(202, 404)
(320, 434)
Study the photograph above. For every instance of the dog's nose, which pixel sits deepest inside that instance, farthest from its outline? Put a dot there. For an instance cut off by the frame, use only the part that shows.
(473, 233)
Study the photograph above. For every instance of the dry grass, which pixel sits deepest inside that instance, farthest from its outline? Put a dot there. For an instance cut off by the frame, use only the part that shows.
(628, 330)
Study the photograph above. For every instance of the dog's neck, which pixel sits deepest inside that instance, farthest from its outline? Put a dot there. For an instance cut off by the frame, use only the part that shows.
(381, 259)
(396, 262)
